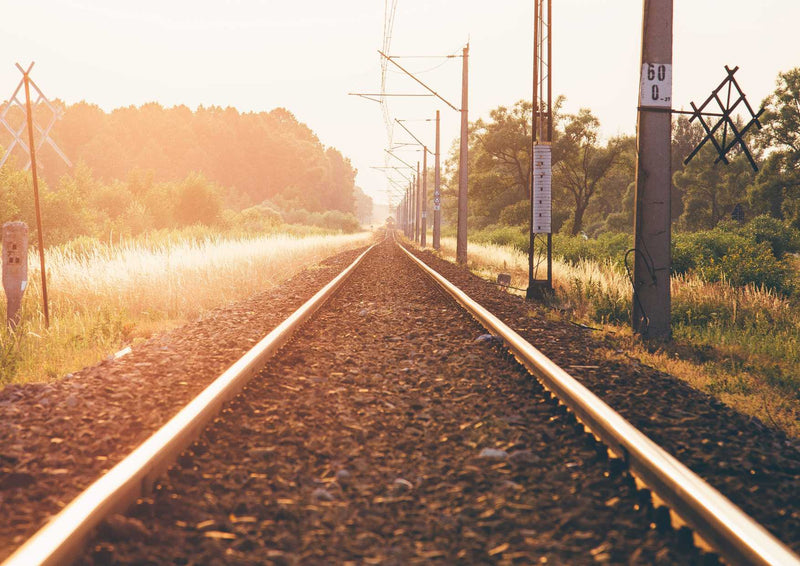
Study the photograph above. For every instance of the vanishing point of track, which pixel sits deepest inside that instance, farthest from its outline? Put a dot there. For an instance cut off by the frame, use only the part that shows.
(720, 524)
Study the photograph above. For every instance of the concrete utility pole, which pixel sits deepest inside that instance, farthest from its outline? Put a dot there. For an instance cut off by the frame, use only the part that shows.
(652, 260)
(423, 236)
(419, 207)
(463, 157)
(461, 232)
(437, 197)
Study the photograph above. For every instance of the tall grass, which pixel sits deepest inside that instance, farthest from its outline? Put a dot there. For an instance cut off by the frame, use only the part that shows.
(105, 296)
(740, 344)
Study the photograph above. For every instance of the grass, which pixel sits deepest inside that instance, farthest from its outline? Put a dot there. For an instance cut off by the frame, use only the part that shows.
(739, 344)
(103, 297)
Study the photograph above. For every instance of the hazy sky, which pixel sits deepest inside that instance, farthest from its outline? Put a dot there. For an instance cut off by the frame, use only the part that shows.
(306, 55)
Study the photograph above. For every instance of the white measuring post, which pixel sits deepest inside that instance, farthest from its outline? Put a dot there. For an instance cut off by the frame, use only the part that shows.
(15, 268)
(542, 185)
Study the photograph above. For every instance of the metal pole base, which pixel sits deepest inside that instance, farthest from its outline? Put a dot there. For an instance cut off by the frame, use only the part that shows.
(538, 290)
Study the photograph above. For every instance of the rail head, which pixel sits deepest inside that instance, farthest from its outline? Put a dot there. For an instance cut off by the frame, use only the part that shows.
(61, 540)
(732, 533)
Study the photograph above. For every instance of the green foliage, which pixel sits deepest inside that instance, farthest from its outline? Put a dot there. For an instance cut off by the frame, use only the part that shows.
(712, 190)
(330, 220)
(517, 214)
(776, 190)
(503, 236)
(737, 255)
(608, 246)
(257, 219)
(197, 201)
(257, 155)
(583, 168)
(781, 238)
(590, 177)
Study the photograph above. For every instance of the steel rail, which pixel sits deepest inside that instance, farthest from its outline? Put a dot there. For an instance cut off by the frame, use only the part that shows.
(733, 534)
(62, 539)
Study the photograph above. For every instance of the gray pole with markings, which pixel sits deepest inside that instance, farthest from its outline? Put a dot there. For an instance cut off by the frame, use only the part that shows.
(437, 198)
(463, 159)
(652, 230)
(423, 232)
(418, 211)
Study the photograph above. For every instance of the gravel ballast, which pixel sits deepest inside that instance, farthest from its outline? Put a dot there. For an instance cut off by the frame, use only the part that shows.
(391, 430)
(351, 445)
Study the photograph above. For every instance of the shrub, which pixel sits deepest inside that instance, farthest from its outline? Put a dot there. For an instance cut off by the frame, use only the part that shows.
(517, 214)
(503, 236)
(257, 219)
(198, 201)
(781, 238)
(607, 246)
(723, 255)
(337, 220)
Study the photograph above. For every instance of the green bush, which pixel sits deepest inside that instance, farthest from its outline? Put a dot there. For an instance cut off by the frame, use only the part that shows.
(781, 238)
(607, 246)
(733, 256)
(257, 219)
(331, 219)
(198, 201)
(517, 214)
(496, 234)
(337, 220)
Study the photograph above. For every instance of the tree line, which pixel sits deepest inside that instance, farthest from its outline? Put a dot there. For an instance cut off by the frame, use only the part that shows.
(593, 179)
(150, 167)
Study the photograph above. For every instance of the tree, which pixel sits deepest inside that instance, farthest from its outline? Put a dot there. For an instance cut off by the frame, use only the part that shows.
(580, 164)
(686, 136)
(500, 161)
(776, 190)
(711, 189)
(364, 207)
(257, 155)
(198, 201)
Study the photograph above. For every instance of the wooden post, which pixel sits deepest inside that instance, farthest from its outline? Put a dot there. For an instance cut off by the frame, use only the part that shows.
(39, 233)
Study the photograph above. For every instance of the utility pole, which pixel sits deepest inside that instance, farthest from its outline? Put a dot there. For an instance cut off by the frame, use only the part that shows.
(463, 157)
(652, 230)
(423, 192)
(408, 212)
(424, 200)
(419, 207)
(437, 197)
(461, 234)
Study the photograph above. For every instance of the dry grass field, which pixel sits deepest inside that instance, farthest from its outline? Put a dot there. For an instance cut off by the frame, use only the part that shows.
(740, 344)
(105, 297)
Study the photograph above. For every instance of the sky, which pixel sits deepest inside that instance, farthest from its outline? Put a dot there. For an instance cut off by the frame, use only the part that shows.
(306, 56)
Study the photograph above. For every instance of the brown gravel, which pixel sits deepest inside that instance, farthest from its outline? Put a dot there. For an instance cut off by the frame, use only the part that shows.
(756, 467)
(56, 438)
(387, 432)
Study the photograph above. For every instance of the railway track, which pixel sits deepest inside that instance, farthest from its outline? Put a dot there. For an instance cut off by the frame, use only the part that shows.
(394, 429)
